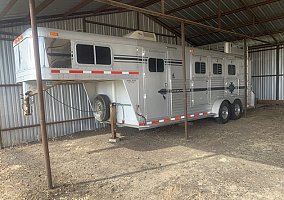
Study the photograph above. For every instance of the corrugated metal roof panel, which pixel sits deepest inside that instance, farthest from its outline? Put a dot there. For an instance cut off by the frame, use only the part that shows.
(196, 13)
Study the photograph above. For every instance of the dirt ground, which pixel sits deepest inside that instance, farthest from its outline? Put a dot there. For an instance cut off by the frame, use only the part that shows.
(242, 159)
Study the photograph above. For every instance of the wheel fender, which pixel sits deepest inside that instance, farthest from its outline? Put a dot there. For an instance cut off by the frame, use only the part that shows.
(216, 107)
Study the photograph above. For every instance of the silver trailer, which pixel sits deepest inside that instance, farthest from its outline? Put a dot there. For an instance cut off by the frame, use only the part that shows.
(144, 78)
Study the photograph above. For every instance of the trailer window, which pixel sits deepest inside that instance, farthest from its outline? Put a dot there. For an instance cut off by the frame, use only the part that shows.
(200, 68)
(231, 69)
(160, 65)
(103, 55)
(156, 65)
(217, 68)
(85, 54)
(58, 52)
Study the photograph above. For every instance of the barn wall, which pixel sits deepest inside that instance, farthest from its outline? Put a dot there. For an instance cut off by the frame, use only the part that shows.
(264, 74)
(16, 128)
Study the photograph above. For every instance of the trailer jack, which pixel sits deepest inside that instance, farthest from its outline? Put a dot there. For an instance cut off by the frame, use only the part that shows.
(26, 106)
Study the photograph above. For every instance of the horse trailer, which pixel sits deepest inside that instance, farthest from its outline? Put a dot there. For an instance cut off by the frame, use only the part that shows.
(143, 77)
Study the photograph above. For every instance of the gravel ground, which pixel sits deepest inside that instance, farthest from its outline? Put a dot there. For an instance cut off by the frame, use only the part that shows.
(242, 159)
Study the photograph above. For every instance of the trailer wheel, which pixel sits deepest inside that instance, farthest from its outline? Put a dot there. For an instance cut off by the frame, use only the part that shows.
(236, 110)
(224, 113)
(102, 107)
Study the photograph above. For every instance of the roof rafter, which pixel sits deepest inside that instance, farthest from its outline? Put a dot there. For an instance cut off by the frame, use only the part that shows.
(186, 6)
(258, 35)
(8, 7)
(240, 9)
(137, 3)
(43, 5)
(177, 33)
(174, 18)
(253, 22)
(256, 18)
(229, 12)
(77, 7)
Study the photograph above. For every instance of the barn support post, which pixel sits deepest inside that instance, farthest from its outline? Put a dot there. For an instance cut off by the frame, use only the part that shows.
(84, 25)
(1, 141)
(163, 6)
(40, 93)
(246, 76)
(113, 121)
(138, 20)
(277, 72)
(184, 79)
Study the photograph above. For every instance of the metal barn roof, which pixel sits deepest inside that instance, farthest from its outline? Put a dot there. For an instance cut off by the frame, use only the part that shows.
(258, 18)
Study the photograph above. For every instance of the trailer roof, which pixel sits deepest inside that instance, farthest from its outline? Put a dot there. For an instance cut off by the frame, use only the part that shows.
(260, 18)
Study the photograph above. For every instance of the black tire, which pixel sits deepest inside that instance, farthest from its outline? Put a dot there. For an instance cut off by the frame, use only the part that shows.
(224, 113)
(101, 107)
(236, 110)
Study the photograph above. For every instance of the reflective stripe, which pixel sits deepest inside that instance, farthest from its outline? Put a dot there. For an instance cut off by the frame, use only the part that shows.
(78, 71)
(177, 118)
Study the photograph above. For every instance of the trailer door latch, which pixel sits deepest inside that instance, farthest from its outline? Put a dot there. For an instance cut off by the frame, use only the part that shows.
(163, 92)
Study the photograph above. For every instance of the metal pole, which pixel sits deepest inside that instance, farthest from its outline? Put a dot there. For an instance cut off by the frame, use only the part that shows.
(84, 25)
(1, 141)
(138, 20)
(219, 13)
(246, 76)
(277, 72)
(184, 79)
(40, 93)
(113, 120)
(163, 6)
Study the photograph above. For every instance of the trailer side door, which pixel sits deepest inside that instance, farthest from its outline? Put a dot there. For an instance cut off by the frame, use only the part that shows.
(200, 82)
(155, 86)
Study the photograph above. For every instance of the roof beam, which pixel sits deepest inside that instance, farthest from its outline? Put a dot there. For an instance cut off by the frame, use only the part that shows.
(262, 3)
(279, 31)
(43, 5)
(58, 17)
(136, 3)
(106, 9)
(219, 15)
(125, 28)
(186, 6)
(77, 7)
(174, 18)
(8, 7)
(252, 23)
(256, 18)
(177, 33)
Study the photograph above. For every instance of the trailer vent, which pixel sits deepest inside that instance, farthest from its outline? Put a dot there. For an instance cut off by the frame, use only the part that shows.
(141, 35)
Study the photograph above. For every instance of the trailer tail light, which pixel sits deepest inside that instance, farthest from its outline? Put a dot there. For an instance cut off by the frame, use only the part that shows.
(18, 40)
(54, 34)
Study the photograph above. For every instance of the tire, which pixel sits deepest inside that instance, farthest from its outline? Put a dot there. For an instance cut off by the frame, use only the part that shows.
(236, 110)
(102, 107)
(224, 113)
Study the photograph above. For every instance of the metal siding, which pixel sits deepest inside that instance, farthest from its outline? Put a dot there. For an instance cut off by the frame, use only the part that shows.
(264, 74)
